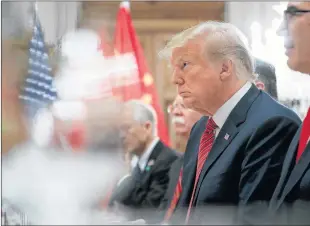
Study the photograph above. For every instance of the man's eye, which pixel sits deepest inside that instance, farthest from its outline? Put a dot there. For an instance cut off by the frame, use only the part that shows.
(184, 64)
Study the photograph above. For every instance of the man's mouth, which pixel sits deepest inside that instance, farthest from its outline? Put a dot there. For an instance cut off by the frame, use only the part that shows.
(178, 120)
(288, 43)
(184, 94)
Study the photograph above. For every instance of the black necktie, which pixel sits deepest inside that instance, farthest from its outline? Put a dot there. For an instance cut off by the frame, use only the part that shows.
(136, 172)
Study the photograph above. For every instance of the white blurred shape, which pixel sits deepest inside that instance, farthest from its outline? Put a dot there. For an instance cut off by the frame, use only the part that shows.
(42, 127)
(80, 44)
(69, 110)
(178, 119)
(55, 187)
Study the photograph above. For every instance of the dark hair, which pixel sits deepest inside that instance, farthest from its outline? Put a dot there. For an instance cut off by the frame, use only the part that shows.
(266, 74)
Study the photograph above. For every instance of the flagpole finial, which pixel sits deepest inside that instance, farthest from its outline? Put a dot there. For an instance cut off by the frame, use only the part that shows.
(125, 4)
(36, 7)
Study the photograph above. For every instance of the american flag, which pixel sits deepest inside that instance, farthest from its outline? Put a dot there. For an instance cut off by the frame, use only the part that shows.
(38, 90)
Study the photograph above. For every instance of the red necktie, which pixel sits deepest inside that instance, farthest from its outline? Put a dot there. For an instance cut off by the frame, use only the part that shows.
(304, 136)
(205, 147)
(175, 199)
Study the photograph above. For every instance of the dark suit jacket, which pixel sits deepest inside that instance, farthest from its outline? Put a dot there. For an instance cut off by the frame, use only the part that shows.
(143, 196)
(174, 173)
(242, 169)
(291, 199)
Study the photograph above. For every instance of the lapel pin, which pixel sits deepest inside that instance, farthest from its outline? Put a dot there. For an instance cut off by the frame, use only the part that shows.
(226, 137)
(151, 162)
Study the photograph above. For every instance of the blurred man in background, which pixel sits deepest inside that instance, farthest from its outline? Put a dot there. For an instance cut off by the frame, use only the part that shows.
(292, 195)
(267, 79)
(143, 189)
(183, 119)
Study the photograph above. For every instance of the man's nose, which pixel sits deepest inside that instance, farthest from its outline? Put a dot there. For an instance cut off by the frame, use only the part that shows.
(176, 78)
(282, 29)
(176, 111)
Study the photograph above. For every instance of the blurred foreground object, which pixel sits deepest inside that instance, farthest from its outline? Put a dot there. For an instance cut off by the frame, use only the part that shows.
(11, 215)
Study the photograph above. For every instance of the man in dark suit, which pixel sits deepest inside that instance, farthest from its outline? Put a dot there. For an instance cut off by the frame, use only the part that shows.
(235, 157)
(143, 189)
(291, 199)
(183, 120)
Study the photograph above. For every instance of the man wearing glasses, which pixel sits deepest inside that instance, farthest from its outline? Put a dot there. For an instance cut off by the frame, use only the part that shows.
(291, 198)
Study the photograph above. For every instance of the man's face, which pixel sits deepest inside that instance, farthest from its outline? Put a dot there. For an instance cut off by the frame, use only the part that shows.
(197, 79)
(296, 31)
(183, 118)
(135, 135)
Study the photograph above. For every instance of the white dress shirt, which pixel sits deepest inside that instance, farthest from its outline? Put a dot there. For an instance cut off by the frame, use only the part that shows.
(142, 161)
(223, 112)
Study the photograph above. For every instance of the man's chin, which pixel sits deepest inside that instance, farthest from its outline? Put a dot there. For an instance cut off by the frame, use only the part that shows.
(182, 133)
(295, 65)
(188, 102)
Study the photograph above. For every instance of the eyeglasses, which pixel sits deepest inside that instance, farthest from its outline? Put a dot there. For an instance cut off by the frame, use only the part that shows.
(292, 11)
(172, 107)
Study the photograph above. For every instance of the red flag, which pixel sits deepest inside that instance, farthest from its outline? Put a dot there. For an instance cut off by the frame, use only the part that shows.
(137, 82)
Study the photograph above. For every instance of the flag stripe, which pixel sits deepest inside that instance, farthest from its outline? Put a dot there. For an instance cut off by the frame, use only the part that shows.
(38, 90)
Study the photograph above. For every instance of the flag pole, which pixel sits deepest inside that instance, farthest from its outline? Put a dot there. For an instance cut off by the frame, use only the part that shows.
(125, 4)
(34, 12)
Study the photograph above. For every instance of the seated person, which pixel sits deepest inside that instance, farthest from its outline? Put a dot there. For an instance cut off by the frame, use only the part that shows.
(144, 188)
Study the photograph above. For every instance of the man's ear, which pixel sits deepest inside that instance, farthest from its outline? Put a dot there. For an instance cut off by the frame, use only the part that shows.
(226, 69)
(260, 85)
(148, 125)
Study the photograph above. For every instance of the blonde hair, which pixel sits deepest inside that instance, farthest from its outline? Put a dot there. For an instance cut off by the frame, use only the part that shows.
(225, 41)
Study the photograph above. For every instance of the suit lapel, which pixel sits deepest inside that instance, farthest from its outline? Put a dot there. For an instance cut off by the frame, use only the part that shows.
(189, 169)
(297, 173)
(228, 132)
(218, 148)
(151, 161)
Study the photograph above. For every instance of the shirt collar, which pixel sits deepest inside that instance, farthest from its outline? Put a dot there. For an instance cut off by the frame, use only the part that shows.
(142, 161)
(223, 112)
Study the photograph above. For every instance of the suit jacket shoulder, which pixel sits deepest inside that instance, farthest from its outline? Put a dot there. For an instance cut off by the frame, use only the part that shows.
(249, 161)
(146, 193)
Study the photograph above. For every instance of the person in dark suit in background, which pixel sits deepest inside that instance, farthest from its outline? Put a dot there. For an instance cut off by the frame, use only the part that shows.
(234, 157)
(291, 199)
(267, 79)
(143, 189)
(183, 120)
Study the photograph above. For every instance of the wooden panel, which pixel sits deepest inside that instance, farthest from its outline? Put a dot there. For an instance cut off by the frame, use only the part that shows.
(160, 9)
